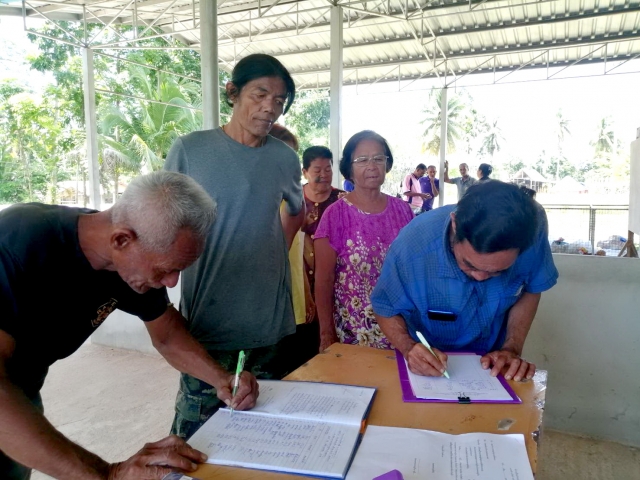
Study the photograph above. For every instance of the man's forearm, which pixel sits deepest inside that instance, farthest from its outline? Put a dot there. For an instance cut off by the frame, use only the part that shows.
(520, 318)
(27, 437)
(446, 176)
(395, 329)
(183, 352)
(291, 224)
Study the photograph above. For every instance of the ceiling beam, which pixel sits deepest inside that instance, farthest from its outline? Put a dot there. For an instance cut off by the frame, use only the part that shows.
(17, 12)
(600, 39)
(458, 31)
(390, 79)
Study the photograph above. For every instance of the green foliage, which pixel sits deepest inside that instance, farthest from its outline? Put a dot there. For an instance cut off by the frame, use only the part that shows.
(433, 115)
(493, 139)
(308, 118)
(140, 135)
(33, 144)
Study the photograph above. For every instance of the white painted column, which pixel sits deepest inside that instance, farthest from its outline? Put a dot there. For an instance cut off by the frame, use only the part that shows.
(91, 127)
(335, 93)
(209, 64)
(443, 142)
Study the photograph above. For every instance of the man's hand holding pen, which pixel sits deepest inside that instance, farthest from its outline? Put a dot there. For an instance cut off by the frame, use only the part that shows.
(240, 392)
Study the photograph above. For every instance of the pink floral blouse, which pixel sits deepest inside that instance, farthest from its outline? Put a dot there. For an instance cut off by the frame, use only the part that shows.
(361, 241)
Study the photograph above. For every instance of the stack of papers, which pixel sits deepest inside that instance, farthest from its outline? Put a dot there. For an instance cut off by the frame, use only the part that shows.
(426, 455)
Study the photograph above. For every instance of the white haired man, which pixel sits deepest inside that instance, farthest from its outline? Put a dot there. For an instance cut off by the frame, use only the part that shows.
(87, 264)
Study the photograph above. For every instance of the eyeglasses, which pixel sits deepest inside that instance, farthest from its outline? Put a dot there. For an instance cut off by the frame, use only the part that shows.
(377, 160)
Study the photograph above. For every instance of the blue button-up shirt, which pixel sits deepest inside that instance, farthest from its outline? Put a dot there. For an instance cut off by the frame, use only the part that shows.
(420, 273)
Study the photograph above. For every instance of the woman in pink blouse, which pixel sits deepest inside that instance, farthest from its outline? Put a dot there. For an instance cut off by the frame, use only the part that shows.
(351, 242)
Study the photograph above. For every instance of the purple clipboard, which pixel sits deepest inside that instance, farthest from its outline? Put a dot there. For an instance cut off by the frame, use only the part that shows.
(409, 396)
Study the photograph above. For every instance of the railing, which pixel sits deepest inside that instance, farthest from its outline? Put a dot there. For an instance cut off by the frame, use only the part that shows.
(591, 226)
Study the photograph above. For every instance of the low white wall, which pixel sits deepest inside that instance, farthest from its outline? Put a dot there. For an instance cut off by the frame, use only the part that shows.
(122, 330)
(587, 335)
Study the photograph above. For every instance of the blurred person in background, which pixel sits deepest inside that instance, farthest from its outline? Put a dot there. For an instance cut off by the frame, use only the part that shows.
(412, 191)
(484, 172)
(463, 182)
(317, 168)
(430, 185)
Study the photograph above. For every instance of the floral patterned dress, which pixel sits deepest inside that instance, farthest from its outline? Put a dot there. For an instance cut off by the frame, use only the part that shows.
(361, 241)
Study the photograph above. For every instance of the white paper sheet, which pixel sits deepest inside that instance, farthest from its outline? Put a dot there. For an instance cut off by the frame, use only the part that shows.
(276, 443)
(467, 379)
(422, 455)
(314, 401)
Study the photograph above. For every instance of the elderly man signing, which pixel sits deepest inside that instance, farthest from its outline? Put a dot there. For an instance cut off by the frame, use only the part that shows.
(62, 272)
(469, 277)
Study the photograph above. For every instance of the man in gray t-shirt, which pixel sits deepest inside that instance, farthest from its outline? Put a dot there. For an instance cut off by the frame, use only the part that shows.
(237, 295)
(464, 182)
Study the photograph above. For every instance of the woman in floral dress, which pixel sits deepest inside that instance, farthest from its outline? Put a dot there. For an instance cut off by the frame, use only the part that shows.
(351, 243)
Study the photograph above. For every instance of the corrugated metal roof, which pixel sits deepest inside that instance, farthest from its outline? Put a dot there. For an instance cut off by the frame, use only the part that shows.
(391, 40)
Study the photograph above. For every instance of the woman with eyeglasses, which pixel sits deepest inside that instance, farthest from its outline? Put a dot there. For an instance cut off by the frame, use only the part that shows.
(351, 243)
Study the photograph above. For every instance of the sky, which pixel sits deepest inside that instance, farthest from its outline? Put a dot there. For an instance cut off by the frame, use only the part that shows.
(525, 111)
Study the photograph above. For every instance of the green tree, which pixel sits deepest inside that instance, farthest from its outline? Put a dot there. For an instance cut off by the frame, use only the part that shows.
(139, 137)
(562, 129)
(34, 143)
(432, 121)
(514, 165)
(604, 144)
(308, 118)
(493, 138)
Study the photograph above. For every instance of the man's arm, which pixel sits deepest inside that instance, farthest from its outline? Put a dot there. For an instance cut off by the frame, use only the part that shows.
(419, 359)
(183, 352)
(518, 325)
(407, 182)
(291, 223)
(446, 173)
(27, 437)
(434, 189)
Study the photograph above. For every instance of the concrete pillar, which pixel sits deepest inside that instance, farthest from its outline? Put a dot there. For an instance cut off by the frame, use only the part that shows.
(335, 92)
(91, 127)
(443, 142)
(209, 64)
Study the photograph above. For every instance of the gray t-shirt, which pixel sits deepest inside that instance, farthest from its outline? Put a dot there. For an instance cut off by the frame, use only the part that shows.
(463, 185)
(238, 293)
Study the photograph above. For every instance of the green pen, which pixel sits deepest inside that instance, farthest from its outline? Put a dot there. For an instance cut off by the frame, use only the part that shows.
(424, 342)
(236, 381)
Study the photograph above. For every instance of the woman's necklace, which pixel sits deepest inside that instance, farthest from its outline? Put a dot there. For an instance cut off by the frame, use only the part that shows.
(263, 140)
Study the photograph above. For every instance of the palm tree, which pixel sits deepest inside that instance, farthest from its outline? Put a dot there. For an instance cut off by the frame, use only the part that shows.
(455, 111)
(605, 143)
(562, 128)
(140, 136)
(492, 139)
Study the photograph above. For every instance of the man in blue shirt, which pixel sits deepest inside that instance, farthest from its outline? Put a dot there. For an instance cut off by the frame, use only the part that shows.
(469, 277)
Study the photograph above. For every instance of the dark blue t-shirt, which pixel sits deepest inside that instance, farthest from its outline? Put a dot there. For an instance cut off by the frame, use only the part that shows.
(51, 299)
(425, 184)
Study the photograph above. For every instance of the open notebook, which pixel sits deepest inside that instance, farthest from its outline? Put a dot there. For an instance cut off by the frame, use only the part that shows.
(296, 427)
(468, 383)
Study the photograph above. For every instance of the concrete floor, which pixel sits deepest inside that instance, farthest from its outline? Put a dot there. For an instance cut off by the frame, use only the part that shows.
(112, 401)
